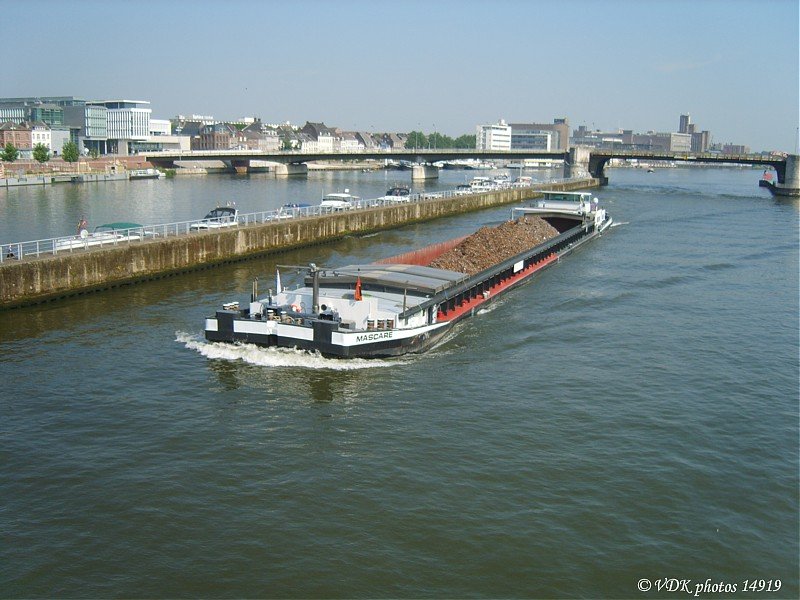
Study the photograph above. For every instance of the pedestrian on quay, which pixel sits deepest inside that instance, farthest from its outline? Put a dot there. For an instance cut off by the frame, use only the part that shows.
(83, 225)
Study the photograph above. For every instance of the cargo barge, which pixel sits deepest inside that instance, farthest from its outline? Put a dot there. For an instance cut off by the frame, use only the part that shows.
(401, 305)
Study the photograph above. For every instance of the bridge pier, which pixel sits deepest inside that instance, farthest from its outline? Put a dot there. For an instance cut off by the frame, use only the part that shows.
(578, 163)
(423, 172)
(291, 170)
(790, 186)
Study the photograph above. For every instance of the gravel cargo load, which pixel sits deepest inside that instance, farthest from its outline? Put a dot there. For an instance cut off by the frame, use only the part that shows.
(491, 245)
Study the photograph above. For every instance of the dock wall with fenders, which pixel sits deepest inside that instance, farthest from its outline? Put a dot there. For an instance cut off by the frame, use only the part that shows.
(45, 278)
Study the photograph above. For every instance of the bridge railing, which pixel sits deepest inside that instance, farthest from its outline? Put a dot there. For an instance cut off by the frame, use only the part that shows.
(234, 152)
(134, 235)
(684, 155)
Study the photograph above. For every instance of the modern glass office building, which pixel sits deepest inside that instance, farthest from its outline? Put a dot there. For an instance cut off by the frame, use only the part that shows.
(127, 121)
(89, 126)
(524, 138)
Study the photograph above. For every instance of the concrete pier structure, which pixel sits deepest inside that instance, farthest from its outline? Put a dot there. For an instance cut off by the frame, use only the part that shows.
(423, 172)
(35, 280)
(790, 185)
(577, 163)
(291, 169)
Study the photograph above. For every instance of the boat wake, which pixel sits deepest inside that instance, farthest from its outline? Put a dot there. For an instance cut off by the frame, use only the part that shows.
(617, 224)
(485, 310)
(278, 357)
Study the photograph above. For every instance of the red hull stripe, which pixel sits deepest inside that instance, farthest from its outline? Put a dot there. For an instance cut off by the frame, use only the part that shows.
(471, 303)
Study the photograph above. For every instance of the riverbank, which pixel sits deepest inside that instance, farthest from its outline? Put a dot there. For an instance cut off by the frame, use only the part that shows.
(45, 278)
(57, 170)
(87, 172)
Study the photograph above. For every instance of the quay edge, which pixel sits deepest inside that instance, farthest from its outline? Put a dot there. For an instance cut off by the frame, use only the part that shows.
(47, 278)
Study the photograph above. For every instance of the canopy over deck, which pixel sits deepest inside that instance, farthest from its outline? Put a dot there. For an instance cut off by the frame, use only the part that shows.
(409, 278)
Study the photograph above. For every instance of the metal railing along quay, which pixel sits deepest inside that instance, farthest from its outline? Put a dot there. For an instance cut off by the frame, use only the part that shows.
(132, 235)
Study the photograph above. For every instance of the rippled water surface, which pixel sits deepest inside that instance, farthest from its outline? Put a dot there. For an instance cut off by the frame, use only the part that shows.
(631, 414)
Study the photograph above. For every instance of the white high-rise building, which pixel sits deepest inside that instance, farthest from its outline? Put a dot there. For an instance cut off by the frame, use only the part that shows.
(493, 137)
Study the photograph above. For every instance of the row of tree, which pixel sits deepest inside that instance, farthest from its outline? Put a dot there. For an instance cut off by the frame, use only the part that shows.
(435, 140)
(41, 153)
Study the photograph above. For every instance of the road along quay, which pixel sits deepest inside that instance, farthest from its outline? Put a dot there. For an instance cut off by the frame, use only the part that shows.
(50, 277)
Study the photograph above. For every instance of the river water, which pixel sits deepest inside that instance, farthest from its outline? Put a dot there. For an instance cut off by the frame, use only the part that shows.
(630, 415)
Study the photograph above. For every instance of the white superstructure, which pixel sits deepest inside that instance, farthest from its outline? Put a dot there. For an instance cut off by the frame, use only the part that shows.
(338, 201)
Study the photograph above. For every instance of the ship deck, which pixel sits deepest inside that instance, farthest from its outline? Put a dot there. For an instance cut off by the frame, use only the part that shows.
(390, 301)
(402, 278)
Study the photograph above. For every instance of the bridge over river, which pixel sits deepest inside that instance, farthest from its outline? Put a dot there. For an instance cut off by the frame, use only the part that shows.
(785, 167)
(578, 160)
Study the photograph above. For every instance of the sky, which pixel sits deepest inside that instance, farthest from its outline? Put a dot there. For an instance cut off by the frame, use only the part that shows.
(432, 65)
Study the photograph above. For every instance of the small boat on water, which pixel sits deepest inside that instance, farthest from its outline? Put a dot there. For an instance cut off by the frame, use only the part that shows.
(145, 174)
(482, 184)
(103, 235)
(407, 303)
(522, 181)
(290, 211)
(220, 217)
(398, 190)
(394, 195)
(458, 164)
(337, 201)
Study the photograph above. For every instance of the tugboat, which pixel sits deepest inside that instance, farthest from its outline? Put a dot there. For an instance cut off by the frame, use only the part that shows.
(404, 304)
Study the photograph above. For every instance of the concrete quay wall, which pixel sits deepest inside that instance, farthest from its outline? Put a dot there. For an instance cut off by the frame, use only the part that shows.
(46, 278)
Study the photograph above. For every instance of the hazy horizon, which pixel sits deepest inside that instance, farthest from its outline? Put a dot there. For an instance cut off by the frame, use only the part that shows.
(432, 66)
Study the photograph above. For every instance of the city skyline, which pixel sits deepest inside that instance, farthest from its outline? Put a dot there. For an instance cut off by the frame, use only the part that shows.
(444, 66)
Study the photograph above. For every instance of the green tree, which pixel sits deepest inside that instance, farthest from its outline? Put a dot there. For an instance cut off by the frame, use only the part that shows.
(437, 140)
(9, 153)
(70, 152)
(287, 144)
(465, 141)
(41, 153)
(416, 139)
(94, 153)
